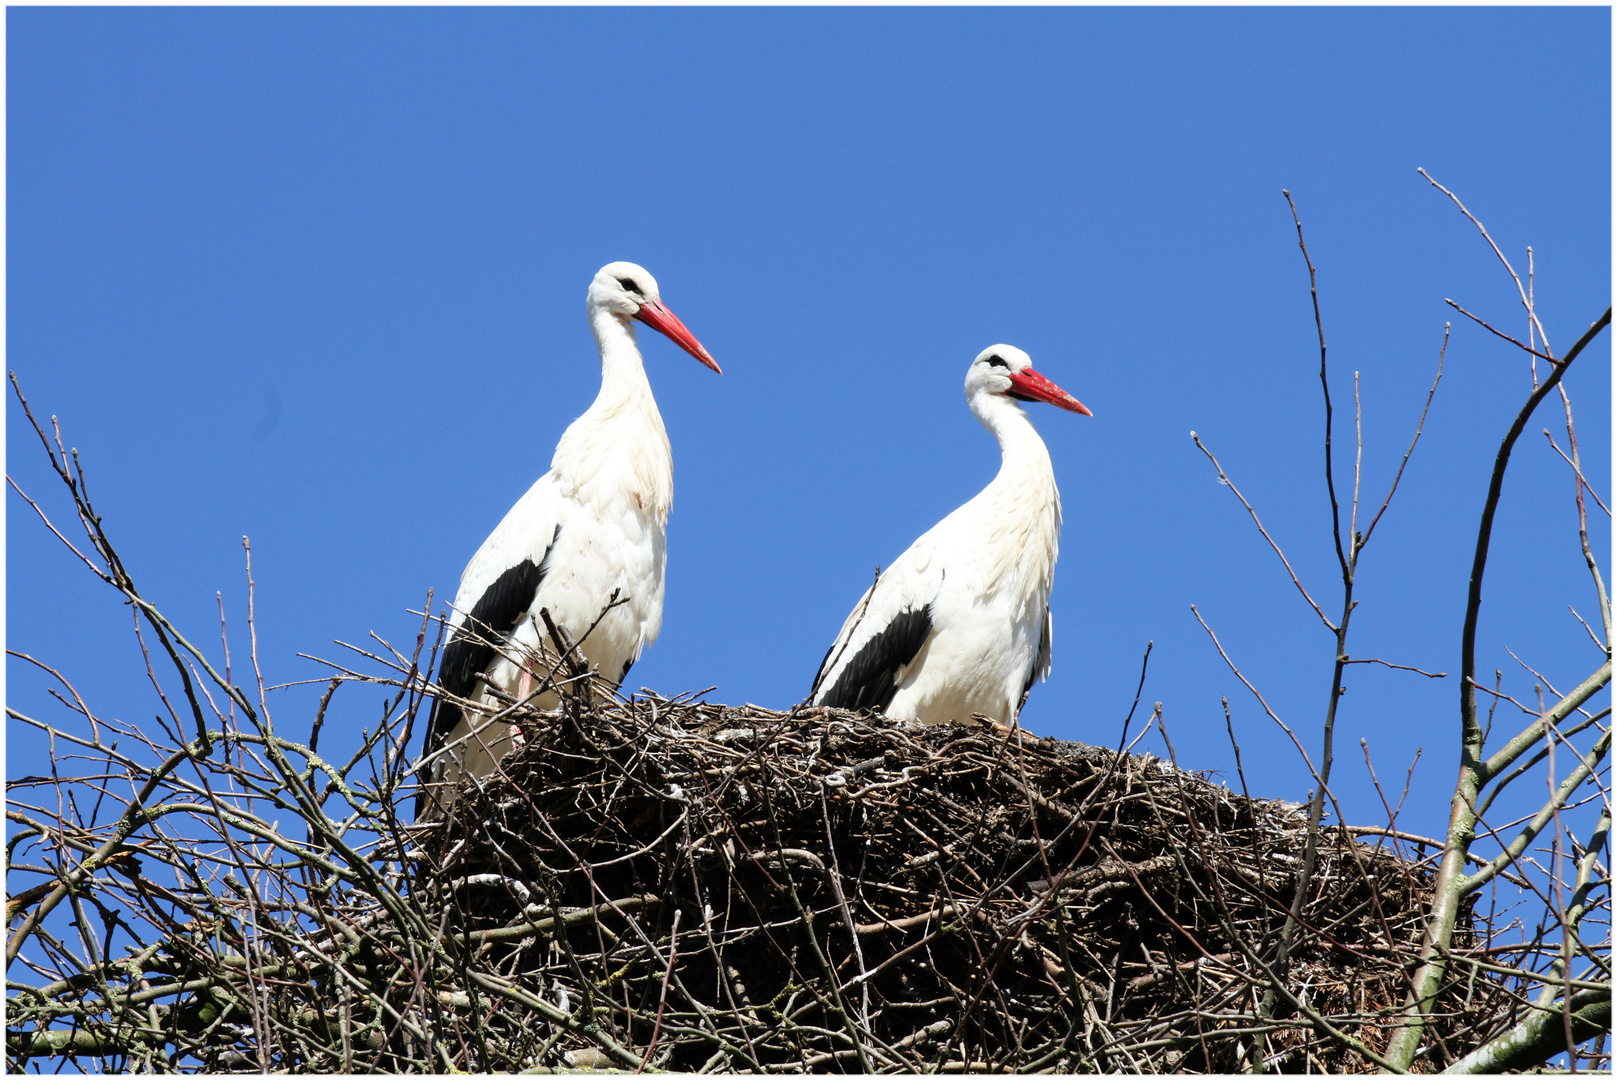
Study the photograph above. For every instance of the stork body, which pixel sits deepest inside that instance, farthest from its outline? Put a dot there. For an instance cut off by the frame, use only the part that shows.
(960, 623)
(592, 526)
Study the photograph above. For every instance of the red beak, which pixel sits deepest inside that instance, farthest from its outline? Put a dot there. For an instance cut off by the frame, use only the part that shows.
(660, 319)
(1029, 385)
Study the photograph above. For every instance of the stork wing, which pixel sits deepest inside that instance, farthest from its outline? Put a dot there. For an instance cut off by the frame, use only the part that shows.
(496, 590)
(1041, 662)
(882, 635)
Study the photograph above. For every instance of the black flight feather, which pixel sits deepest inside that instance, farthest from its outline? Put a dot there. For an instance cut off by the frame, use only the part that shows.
(1040, 658)
(870, 679)
(491, 620)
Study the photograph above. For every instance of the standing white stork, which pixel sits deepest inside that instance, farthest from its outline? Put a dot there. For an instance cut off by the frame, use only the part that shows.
(593, 525)
(960, 623)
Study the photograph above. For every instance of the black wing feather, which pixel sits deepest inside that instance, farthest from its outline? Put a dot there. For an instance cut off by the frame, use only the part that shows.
(870, 679)
(1038, 655)
(473, 645)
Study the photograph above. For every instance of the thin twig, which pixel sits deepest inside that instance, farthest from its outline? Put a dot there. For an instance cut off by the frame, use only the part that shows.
(1227, 482)
(1499, 333)
(1420, 426)
(1400, 667)
(1527, 303)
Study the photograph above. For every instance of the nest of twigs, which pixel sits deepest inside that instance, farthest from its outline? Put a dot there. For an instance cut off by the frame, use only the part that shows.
(653, 884)
(747, 890)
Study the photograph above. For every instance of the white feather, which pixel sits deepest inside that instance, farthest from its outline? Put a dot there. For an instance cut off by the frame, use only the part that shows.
(985, 572)
(604, 503)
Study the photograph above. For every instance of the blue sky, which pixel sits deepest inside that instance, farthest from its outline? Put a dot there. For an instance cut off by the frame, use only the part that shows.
(317, 276)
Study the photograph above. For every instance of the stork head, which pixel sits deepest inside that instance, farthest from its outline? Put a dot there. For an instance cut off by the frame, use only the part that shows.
(1006, 371)
(629, 292)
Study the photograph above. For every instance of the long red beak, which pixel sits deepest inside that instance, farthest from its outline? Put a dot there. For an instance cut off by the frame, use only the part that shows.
(1029, 385)
(659, 318)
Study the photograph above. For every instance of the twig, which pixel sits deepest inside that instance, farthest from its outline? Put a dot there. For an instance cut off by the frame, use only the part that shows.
(1420, 425)
(1527, 303)
(1227, 482)
(662, 996)
(1499, 333)
(1399, 667)
(1325, 386)
(1577, 472)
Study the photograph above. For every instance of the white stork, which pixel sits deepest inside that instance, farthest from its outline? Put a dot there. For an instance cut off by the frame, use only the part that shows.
(594, 524)
(960, 623)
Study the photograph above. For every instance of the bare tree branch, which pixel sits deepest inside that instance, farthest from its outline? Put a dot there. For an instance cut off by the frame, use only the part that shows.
(1576, 472)
(1227, 482)
(1420, 426)
(1399, 667)
(1527, 302)
(1325, 386)
(1499, 333)
(1539, 1036)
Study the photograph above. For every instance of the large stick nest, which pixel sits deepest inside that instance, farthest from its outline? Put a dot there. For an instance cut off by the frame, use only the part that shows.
(747, 890)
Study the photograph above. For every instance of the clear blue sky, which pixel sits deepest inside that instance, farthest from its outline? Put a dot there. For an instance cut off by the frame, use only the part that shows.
(317, 276)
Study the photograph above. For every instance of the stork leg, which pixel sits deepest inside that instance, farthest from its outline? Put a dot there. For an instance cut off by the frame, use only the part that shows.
(524, 687)
(1016, 729)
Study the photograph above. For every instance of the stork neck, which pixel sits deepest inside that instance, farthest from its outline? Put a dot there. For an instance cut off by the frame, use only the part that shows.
(623, 374)
(1020, 510)
(615, 458)
(1023, 455)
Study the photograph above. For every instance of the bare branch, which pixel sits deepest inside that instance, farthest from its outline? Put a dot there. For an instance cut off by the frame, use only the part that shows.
(1499, 333)
(1583, 515)
(1400, 667)
(1358, 460)
(1255, 693)
(1227, 482)
(1539, 1036)
(1468, 637)
(1513, 851)
(1420, 426)
(1436, 845)
(96, 570)
(1515, 748)
(1319, 326)
(1527, 763)
(1577, 472)
(1601, 645)
(1527, 303)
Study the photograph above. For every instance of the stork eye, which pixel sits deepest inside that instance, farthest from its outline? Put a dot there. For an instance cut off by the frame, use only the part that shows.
(997, 361)
(630, 286)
